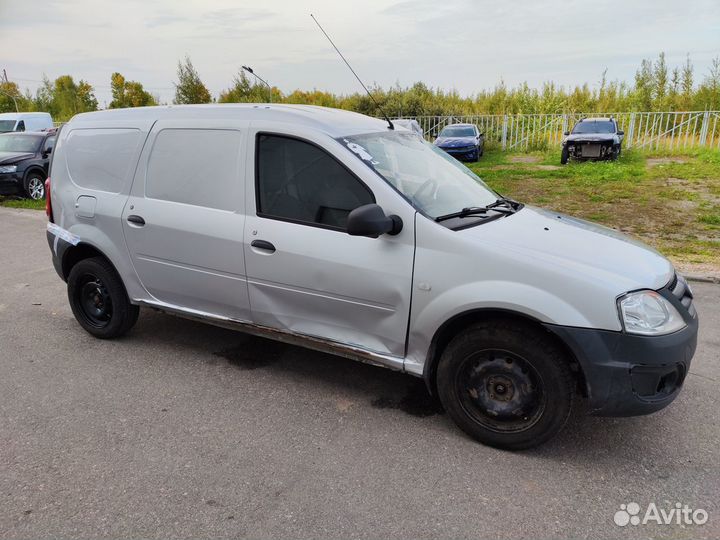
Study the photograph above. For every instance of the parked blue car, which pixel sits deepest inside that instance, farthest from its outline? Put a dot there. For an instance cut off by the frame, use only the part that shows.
(462, 141)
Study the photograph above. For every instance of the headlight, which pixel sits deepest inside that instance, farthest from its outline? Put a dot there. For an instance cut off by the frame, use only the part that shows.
(8, 168)
(648, 313)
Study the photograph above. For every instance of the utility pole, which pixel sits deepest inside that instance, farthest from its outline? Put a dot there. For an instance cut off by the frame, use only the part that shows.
(251, 72)
(5, 79)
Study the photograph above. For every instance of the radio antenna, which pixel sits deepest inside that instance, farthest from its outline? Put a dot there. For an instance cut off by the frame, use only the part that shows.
(387, 119)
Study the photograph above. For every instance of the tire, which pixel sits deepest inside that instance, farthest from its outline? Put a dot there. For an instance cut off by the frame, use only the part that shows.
(34, 186)
(476, 158)
(99, 300)
(506, 384)
(564, 156)
(482, 149)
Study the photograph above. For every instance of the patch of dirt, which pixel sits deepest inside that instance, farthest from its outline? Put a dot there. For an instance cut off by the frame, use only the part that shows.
(532, 168)
(524, 159)
(654, 162)
(708, 270)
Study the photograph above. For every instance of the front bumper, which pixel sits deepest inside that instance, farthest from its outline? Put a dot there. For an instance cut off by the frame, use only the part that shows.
(591, 150)
(462, 152)
(11, 183)
(629, 375)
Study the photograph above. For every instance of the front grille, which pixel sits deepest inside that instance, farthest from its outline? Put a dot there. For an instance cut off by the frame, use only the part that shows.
(590, 150)
(681, 290)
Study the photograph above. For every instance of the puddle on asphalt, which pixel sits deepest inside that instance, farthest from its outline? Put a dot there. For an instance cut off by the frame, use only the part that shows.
(253, 353)
(416, 401)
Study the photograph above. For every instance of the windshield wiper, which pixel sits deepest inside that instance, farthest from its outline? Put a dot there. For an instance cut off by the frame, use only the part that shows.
(504, 206)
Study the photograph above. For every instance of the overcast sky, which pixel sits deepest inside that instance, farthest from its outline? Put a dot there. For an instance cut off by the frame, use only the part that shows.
(463, 44)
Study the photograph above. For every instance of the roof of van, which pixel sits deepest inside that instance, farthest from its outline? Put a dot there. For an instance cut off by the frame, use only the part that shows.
(21, 115)
(334, 122)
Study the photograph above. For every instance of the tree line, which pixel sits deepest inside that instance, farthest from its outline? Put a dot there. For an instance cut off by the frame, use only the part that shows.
(656, 87)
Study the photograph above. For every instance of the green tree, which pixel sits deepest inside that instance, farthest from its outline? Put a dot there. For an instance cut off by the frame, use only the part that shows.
(686, 83)
(10, 96)
(128, 93)
(189, 88)
(244, 91)
(660, 78)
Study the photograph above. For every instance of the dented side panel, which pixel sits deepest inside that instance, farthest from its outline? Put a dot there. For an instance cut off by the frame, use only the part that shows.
(323, 282)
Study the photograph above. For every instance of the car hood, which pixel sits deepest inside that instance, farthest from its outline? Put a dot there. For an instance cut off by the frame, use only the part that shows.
(599, 137)
(7, 158)
(576, 246)
(452, 142)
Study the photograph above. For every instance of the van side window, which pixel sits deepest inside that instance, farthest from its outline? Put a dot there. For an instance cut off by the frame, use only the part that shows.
(20, 126)
(102, 159)
(196, 166)
(298, 181)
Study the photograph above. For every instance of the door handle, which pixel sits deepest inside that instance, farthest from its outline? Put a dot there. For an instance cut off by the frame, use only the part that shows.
(136, 220)
(263, 244)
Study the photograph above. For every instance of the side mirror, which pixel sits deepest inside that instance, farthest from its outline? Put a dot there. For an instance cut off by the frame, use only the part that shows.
(621, 132)
(47, 150)
(566, 133)
(370, 220)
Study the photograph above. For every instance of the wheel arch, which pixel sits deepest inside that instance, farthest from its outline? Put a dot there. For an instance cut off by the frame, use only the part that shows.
(457, 323)
(33, 169)
(82, 251)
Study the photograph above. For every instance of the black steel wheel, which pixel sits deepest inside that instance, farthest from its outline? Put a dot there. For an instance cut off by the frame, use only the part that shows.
(98, 299)
(500, 390)
(94, 299)
(506, 383)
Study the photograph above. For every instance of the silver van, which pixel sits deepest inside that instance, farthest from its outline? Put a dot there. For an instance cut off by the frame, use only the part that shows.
(331, 230)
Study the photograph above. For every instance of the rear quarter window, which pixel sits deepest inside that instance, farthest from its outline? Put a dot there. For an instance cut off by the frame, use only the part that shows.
(196, 166)
(102, 159)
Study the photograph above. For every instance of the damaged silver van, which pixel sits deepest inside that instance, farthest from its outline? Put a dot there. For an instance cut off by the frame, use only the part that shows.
(334, 231)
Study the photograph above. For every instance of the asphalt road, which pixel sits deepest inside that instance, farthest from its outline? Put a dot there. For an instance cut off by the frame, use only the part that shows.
(183, 430)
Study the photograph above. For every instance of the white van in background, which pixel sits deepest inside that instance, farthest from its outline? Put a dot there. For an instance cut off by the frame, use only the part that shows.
(34, 121)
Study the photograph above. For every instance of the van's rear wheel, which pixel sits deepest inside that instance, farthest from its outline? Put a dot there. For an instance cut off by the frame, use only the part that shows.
(98, 299)
(506, 384)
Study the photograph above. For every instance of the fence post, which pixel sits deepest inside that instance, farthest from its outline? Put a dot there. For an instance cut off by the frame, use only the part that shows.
(704, 128)
(564, 125)
(631, 130)
(504, 132)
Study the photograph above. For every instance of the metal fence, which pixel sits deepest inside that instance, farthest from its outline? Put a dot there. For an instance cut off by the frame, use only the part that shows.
(650, 130)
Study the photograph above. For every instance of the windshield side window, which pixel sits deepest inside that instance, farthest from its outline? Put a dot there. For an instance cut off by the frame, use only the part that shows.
(49, 144)
(431, 180)
(297, 181)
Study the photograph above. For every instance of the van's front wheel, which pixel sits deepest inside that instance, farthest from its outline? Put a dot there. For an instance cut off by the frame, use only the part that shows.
(506, 384)
(98, 299)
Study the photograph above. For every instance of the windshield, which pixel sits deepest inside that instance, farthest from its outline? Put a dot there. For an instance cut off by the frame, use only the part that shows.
(594, 127)
(435, 183)
(457, 131)
(7, 125)
(19, 143)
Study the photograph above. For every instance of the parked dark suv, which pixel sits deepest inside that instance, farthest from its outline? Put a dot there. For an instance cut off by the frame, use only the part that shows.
(592, 138)
(24, 160)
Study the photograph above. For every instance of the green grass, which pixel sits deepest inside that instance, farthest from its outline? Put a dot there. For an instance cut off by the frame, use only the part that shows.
(16, 202)
(672, 202)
